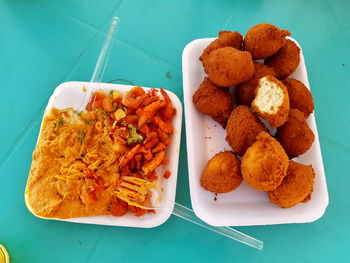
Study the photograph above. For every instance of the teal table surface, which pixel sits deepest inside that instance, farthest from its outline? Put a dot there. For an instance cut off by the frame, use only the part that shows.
(44, 43)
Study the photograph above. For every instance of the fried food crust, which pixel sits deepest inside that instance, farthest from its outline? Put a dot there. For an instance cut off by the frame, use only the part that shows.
(265, 163)
(296, 187)
(213, 100)
(263, 40)
(228, 66)
(225, 39)
(295, 135)
(242, 128)
(244, 92)
(222, 173)
(285, 61)
(299, 96)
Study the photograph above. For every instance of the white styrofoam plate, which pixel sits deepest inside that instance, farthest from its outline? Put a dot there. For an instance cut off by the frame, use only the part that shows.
(205, 137)
(71, 94)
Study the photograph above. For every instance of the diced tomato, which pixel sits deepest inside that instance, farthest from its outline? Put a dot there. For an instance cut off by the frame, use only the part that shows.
(167, 174)
(93, 105)
(99, 95)
(107, 104)
(140, 212)
(131, 119)
(98, 104)
(137, 211)
(118, 207)
(165, 161)
(96, 101)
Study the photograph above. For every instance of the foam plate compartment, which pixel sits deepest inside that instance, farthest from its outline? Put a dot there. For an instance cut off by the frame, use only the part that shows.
(205, 137)
(71, 94)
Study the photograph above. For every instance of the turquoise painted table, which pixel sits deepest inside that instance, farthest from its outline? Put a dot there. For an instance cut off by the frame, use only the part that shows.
(44, 43)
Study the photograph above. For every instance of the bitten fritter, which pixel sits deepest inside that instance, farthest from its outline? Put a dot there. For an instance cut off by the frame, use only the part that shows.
(263, 40)
(226, 39)
(285, 61)
(271, 101)
(242, 128)
(222, 173)
(213, 100)
(296, 187)
(244, 92)
(228, 66)
(299, 96)
(265, 163)
(295, 135)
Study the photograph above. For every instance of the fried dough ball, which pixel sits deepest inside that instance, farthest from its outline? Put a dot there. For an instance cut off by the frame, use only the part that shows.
(263, 40)
(228, 66)
(222, 173)
(226, 39)
(296, 187)
(265, 163)
(299, 96)
(213, 100)
(244, 92)
(271, 101)
(285, 61)
(295, 135)
(242, 128)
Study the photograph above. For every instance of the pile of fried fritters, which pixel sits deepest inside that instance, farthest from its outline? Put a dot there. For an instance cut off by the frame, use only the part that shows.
(264, 118)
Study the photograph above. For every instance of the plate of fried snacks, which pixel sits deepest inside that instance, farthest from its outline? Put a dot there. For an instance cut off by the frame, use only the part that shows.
(253, 150)
(110, 161)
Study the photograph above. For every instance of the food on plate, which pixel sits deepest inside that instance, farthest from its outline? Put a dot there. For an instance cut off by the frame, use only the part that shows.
(242, 128)
(213, 100)
(296, 187)
(228, 66)
(285, 61)
(299, 96)
(265, 163)
(284, 103)
(222, 173)
(263, 40)
(244, 92)
(295, 135)
(225, 39)
(82, 159)
(271, 101)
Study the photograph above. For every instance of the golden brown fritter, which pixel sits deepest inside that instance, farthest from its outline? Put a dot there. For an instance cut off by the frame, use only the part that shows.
(271, 101)
(228, 66)
(244, 92)
(242, 128)
(226, 39)
(299, 96)
(285, 61)
(222, 173)
(213, 100)
(296, 187)
(263, 40)
(295, 135)
(265, 163)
